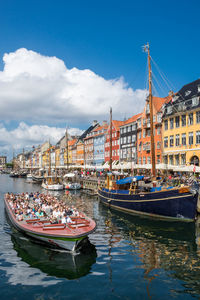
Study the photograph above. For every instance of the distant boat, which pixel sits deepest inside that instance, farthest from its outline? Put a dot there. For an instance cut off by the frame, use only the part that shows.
(70, 182)
(37, 178)
(52, 183)
(66, 236)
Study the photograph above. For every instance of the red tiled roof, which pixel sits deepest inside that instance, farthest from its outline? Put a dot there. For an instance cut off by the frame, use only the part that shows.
(158, 102)
(72, 142)
(132, 119)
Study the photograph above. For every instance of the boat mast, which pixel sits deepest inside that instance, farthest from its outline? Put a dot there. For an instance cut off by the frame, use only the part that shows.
(111, 139)
(150, 100)
(66, 136)
(49, 159)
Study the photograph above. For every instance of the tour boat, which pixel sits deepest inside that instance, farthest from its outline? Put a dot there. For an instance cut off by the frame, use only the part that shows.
(178, 203)
(69, 236)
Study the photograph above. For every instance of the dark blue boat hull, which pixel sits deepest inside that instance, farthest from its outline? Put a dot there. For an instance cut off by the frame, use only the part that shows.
(164, 204)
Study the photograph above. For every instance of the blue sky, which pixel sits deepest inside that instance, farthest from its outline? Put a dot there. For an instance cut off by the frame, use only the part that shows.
(105, 37)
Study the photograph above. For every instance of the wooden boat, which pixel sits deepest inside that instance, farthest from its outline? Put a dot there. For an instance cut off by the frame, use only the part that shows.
(37, 178)
(175, 203)
(66, 236)
(52, 183)
(166, 203)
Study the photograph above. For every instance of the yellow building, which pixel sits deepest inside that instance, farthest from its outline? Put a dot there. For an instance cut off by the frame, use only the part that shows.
(181, 127)
(57, 157)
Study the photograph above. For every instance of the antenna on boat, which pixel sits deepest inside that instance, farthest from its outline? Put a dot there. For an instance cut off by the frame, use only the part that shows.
(110, 139)
(150, 101)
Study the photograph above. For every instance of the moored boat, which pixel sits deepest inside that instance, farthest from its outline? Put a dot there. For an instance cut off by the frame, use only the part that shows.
(52, 184)
(177, 203)
(68, 236)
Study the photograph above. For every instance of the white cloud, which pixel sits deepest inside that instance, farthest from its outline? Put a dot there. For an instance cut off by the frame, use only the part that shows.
(43, 90)
(25, 136)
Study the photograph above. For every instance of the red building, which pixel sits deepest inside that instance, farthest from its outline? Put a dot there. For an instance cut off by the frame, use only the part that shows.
(115, 141)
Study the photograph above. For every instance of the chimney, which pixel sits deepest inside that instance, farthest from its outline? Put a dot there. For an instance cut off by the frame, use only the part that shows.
(104, 123)
(94, 122)
(171, 93)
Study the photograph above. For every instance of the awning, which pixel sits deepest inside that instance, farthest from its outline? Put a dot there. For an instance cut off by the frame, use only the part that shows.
(129, 179)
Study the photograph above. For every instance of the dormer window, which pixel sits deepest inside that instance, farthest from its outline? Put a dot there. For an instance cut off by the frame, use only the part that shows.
(195, 101)
(187, 93)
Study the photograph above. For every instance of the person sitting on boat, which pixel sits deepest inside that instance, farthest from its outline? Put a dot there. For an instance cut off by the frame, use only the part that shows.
(64, 219)
(68, 219)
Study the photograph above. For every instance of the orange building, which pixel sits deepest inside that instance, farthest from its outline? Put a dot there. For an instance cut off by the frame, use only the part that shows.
(80, 152)
(143, 132)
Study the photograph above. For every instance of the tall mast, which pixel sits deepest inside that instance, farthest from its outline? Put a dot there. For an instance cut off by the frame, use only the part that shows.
(111, 139)
(23, 159)
(49, 159)
(66, 135)
(146, 48)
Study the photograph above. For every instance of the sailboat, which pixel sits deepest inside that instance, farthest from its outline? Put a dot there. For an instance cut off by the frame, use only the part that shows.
(52, 182)
(133, 195)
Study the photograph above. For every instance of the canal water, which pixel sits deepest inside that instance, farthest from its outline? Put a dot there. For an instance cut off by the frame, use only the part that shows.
(127, 258)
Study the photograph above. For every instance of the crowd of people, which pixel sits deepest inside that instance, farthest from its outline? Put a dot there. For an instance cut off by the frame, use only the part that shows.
(35, 205)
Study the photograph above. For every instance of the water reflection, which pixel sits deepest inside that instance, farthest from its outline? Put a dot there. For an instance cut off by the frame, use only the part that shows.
(156, 246)
(53, 262)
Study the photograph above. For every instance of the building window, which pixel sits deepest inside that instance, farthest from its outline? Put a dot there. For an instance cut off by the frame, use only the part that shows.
(148, 132)
(198, 137)
(159, 117)
(144, 133)
(158, 145)
(177, 139)
(148, 159)
(177, 121)
(129, 139)
(140, 160)
(171, 140)
(198, 117)
(171, 123)
(158, 130)
(133, 138)
(195, 101)
(140, 135)
(166, 124)
(183, 139)
(171, 162)
(190, 138)
(177, 159)
(183, 119)
(129, 128)
(190, 119)
(165, 141)
(183, 159)
(166, 159)
(144, 160)
(158, 159)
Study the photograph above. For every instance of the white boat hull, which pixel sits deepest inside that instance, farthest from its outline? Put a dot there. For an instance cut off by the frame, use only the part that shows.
(52, 187)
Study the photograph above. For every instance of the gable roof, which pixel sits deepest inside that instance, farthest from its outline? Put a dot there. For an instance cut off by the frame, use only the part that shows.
(88, 131)
(132, 119)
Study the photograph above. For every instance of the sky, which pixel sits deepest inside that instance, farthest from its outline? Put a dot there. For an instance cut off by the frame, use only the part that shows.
(63, 64)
